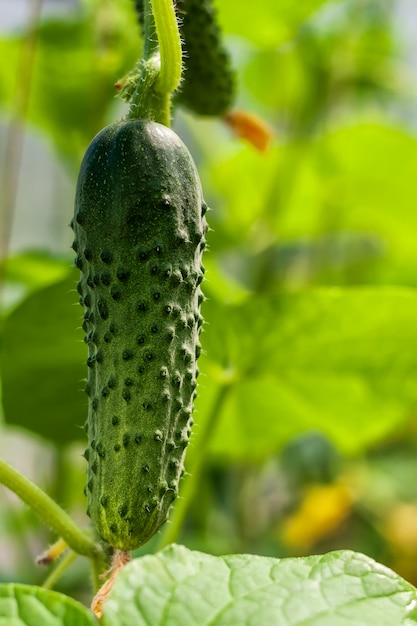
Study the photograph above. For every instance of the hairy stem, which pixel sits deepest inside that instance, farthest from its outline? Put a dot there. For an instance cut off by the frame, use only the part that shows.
(169, 45)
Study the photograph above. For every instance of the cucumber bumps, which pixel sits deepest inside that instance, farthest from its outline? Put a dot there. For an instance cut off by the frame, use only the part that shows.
(139, 230)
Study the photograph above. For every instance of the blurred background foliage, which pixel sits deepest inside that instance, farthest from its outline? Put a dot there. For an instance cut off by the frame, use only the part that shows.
(306, 431)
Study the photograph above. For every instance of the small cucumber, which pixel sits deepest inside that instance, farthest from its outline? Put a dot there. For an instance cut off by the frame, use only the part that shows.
(208, 87)
(139, 230)
(208, 84)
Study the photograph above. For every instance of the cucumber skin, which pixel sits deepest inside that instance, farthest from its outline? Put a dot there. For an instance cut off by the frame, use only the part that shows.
(139, 231)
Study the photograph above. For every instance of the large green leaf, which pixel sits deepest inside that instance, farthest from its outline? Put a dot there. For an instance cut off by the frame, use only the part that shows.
(349, 180)
(179, 587)
(42, 363)
(342, 362)
(24, 605)
(346, 181)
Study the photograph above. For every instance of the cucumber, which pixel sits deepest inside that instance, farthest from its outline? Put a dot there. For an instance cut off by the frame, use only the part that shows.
(139, 231)
(208, 87)
(208, 83)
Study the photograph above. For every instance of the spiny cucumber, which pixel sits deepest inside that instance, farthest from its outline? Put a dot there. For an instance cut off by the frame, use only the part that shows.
(139, 231)
(208, 83)
(208, 87)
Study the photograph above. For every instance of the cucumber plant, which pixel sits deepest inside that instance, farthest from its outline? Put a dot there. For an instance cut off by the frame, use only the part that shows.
(139, 230)
(139, 236)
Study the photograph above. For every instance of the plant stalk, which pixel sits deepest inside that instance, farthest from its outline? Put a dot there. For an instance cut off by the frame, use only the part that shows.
(49, 511)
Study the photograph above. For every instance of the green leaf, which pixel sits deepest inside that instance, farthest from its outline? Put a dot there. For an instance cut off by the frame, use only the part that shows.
(29, 271)
(36, 268)
(42, 364)
(271, 24)
(342, 362)
(348, 180)
(345, 181)
(180, 587)
(24, 605)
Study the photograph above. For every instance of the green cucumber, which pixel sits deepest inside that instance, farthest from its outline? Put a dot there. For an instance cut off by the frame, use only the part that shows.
(139, 230)
(208, 83)
(208, 87)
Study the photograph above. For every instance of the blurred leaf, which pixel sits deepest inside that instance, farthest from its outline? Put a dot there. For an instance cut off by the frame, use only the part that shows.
(36, 268)
(76, 65)
(270, 24)
(339, 258)
(339, 57)
(350, 181)
(182, 587)
(339, 361)
(237, 213)
(9, 49)
(344, 182)
(220, 285)
(282, 70)
(23, 605)
(42, 364)
(27, 272)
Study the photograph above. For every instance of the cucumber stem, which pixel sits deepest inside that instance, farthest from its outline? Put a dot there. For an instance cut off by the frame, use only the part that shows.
(49, 511)
(146, 103)
(169, 45)
(151, 46)
(160, 67)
